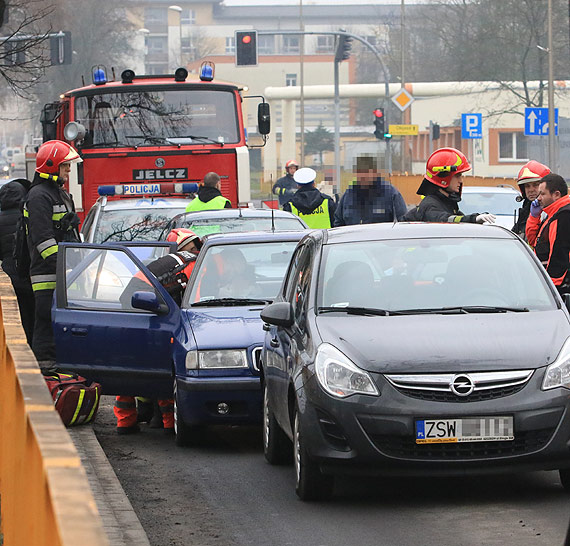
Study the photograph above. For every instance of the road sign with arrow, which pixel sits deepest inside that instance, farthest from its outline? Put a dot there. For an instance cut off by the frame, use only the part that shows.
(536, 121)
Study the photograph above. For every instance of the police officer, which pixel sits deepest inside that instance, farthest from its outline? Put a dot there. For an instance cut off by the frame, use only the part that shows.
(173, 271)
(285, 187)
(315, 208)
(209, 195)
(50, 218)
(441, 190)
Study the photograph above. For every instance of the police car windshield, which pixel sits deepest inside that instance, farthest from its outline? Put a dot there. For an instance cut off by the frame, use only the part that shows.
(151, 118)
(134, 225)
(251, 272)
(233, 225)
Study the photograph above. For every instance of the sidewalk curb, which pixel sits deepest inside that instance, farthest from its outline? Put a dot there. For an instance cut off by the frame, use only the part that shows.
(120, 521)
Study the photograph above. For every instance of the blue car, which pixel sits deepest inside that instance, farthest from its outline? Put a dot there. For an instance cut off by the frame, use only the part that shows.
(205, 354)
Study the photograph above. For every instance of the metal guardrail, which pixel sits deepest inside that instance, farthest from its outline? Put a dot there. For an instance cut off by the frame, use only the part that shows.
(45, 498)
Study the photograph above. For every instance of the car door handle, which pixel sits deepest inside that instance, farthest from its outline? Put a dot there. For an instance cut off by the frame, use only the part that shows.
(274, 342)
(79, 331)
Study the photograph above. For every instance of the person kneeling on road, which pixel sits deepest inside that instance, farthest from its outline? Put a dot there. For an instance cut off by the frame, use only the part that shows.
(173, 272)
(441, 191)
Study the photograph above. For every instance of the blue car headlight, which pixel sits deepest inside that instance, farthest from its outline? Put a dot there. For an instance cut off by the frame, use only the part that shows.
(558, 373)
(227, 358)
(338, 376)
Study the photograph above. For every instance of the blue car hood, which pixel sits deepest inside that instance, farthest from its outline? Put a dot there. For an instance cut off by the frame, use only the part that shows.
(225, 327)
(447, 343)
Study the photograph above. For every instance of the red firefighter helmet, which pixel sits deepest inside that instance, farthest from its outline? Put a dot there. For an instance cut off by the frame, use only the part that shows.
(533, 171)
(182, 236)
(443, 164)
(52, 154)
(291, 163)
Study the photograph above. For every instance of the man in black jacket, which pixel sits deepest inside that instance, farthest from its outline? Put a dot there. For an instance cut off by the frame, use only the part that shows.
(441, 191)
(12, 196)
(309, 204)
(50, 218)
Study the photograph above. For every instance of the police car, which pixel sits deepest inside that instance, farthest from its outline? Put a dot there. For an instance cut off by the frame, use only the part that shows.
(502, 201)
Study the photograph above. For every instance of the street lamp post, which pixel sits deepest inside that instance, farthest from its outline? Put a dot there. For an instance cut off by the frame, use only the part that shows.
(551, 126)
(178, 9)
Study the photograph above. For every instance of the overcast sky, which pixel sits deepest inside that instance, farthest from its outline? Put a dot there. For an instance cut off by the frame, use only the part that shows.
(309, 2)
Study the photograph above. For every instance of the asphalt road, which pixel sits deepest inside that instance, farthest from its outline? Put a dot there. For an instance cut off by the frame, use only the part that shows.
(224, 493)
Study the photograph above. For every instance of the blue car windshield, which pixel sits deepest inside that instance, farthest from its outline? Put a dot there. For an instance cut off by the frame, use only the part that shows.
(432, 273)
(241, 271)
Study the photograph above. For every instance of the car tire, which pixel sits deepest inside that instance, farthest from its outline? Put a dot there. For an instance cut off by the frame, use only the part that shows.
(277, 447)
(185, 435)
(310, 483)
(565, 478)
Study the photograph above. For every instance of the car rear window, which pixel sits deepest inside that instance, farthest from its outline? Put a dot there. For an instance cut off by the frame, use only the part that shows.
(432, 273)
(494, 202)
(232, 225)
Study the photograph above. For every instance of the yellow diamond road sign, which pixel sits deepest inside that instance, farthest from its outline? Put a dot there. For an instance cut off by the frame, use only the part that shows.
(402, 99)
(403, 130)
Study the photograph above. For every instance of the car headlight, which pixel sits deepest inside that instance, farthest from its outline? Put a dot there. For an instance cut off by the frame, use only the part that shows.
(558, 373)
(229, 358)
(338, 376)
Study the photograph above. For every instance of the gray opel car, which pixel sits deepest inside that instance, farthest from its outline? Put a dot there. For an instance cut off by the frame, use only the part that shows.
(415, 349)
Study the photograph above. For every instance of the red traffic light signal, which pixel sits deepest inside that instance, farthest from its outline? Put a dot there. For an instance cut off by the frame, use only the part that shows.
(246, 39)
(379, 112)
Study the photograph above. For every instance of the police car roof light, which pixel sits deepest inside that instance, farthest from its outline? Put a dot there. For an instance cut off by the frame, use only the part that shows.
(106, 190)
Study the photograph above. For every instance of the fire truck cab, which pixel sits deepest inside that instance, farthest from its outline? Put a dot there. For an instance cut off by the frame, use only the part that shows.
(146, 132)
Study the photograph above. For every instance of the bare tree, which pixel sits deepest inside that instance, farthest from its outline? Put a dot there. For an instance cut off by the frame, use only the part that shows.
(24, 45)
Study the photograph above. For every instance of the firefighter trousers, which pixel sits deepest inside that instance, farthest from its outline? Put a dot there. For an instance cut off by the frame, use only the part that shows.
(126, 411)
(43, 344)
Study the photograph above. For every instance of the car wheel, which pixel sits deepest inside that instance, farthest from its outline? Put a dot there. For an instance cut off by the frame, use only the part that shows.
(565, 478)
(277, 447)
(310, 483)
(186, 435)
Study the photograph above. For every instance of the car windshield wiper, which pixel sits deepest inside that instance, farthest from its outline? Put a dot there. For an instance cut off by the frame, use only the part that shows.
(230, 301)
(195, 137)
(462, 309)
(357, 310)
(109, 143)
(150, 138)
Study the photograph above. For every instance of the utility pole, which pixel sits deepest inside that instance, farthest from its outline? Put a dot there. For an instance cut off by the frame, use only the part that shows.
(551, 127)
(302, 83)
(403, 142)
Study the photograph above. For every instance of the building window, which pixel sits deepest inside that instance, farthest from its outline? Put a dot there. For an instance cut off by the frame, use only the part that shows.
(291, 80)
(187, 17)
(186, 44)
(325, 44)
(156, 69)
(156, 44)
(513, 147)
(265, 44)
(230, 45)
(290, 44)
(154, 17)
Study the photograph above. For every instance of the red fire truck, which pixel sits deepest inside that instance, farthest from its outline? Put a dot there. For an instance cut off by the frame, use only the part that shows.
(154, 134)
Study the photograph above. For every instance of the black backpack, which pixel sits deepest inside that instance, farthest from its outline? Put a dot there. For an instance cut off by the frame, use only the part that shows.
(21, 252)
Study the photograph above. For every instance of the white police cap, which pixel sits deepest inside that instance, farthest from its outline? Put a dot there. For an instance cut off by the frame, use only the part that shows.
(305, 175)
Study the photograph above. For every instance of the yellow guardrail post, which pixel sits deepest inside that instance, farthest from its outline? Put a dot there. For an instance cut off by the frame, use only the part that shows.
(45, 498)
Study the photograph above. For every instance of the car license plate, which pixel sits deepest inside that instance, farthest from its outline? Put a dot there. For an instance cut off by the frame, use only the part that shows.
(471, 429)
(140, 189)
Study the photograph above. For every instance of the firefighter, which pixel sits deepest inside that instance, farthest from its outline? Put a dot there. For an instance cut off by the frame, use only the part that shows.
(285, 187)
(441, 191)
(173, 272)
(209, 195)
(528, 181)
(315, 208)
(50, 218)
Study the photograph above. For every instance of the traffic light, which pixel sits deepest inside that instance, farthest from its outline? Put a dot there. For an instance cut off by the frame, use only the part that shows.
(246, 48)
(379, 123)
(435, 131)
(343, 47)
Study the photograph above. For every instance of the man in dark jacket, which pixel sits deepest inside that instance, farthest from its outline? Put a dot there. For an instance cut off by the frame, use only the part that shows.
(12, 196)
(528, 181)
(50, 218)
(209, 195)
(315, 208)
(370, 199)
(285, 187)
(441, 191)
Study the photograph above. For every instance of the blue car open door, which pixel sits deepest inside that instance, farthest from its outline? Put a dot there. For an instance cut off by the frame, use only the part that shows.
(113, 321)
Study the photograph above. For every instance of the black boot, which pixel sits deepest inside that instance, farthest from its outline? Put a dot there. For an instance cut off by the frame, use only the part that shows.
(156, 421)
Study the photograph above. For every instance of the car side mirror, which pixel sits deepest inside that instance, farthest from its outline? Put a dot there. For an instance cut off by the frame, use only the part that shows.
(278, 314)
(263, 118)
(148, 301)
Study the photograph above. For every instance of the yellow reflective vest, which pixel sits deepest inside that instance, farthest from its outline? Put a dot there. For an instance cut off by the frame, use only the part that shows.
(218, 202)
(318, 219)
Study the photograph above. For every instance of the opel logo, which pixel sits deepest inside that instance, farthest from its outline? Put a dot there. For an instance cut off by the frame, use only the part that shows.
(462, 385)
(159, 162)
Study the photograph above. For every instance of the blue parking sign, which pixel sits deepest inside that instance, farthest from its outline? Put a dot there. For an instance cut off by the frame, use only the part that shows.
(471, 125)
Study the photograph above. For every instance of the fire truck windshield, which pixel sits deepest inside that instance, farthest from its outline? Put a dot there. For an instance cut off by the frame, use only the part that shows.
(158, 117)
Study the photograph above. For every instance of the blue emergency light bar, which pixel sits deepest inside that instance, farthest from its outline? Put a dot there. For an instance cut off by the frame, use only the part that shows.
(136, 190)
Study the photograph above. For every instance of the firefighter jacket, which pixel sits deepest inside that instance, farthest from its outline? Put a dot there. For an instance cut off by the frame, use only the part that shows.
(209, 198)
(315, 208)
(284, 187)
(381, 202)
(523, 214)
(437, 207)
(551, 240)
(50, 219)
